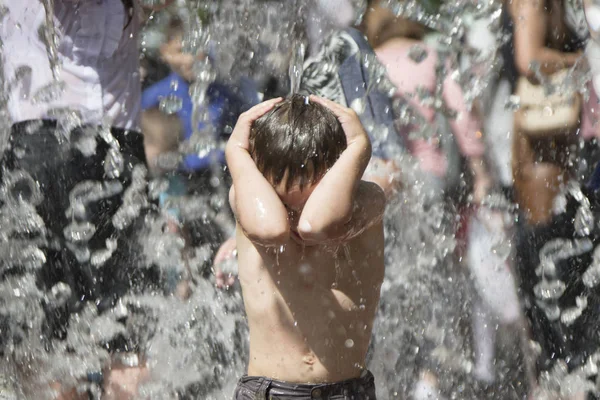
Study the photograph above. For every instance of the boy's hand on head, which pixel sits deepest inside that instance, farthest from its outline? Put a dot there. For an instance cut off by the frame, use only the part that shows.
(253, 194)
(333, 210)
(348, 119)
(240, 136)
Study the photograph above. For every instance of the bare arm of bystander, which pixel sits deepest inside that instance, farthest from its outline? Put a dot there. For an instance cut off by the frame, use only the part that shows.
(530, 34)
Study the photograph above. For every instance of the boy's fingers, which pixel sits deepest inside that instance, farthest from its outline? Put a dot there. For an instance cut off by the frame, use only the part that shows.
(260, 109)
(336, 108)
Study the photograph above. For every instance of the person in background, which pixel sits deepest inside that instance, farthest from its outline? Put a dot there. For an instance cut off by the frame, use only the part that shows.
(541, 34)
(97, 64)
(408, 75)
(393, 38)
(224, 103)
(162, 135)
(551, 172)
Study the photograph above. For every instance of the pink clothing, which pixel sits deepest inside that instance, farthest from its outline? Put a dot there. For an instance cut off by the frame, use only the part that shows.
(590, 116)
(408, 75)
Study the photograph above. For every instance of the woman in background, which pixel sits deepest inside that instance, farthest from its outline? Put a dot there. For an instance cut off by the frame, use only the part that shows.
(76, 120)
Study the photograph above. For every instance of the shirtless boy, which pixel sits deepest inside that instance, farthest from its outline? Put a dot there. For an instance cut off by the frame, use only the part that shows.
(310, 249)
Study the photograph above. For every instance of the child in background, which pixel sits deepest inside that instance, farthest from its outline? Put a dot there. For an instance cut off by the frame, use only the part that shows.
(224, 103)
(162, 135)
(310, 243)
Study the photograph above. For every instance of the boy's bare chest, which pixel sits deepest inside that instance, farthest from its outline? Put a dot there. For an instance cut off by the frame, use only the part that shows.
(328, 267)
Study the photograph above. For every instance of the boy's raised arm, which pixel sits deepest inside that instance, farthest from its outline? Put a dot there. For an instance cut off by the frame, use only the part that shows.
(257, 207)
(342, 206)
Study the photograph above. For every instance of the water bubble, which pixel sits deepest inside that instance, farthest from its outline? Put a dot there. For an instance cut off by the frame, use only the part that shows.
(559, 204)
(153, 3)
(229, 266)
(591, 277)
(99, 257)
(30, 257)
(23, 72)
(513, 103)
(157, 186)
(86, 145)
(3, 11)
(569, 315)
(114, 164)
(169, 160)
(59, 294)
(358, 105)
(78, 232)
(584, 221)
(502, 249)
(49, 93)
(417, 53)
(549, 290)
(296, 64)
(204, 75)
(171, 104)
(120, 310)
(349, 343)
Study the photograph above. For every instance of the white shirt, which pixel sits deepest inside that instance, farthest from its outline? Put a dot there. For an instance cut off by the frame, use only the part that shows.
(98, 51)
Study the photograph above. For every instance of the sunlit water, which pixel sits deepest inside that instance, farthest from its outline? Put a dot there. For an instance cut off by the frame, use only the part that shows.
(196, 348)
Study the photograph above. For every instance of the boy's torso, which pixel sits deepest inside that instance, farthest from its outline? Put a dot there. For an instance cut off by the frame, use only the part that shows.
(311, 309)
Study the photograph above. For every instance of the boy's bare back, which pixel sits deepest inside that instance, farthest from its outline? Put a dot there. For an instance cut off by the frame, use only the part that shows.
(310, 240)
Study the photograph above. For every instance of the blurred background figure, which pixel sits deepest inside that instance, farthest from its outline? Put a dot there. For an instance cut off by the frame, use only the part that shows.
(196, 175)
(547, 148)
(456, 149)
(544, 45)
(75, 115)
(553, 153)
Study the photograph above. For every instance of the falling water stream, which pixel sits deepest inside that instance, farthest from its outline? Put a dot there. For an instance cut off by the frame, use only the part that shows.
(196, 348)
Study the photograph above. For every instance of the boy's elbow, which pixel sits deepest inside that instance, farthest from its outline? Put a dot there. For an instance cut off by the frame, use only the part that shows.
(315, 230)
(270, 234)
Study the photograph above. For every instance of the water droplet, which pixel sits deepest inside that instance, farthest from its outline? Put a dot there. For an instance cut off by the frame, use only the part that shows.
(49, 93)
(513, 103)
(349, 343)
(114, 163)
(417, 53)
(549, 290)
(171, 104)
(584, 221)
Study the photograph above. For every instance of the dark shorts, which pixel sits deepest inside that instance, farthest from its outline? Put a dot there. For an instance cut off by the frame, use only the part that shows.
(49, 172)
(260, 388)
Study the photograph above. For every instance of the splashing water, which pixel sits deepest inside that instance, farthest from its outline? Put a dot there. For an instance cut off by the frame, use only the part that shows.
(196, 348)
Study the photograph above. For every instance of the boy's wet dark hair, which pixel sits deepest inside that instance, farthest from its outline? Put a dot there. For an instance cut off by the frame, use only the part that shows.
(299, 137)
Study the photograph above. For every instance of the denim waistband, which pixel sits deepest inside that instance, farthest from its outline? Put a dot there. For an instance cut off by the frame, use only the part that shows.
(265, 388)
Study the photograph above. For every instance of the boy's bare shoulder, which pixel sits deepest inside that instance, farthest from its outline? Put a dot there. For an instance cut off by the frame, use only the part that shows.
(371, 239)
(373, 194)
(369, 209)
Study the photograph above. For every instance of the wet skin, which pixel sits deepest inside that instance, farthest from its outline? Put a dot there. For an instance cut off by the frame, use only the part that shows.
(310, 261)
(310, 308)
